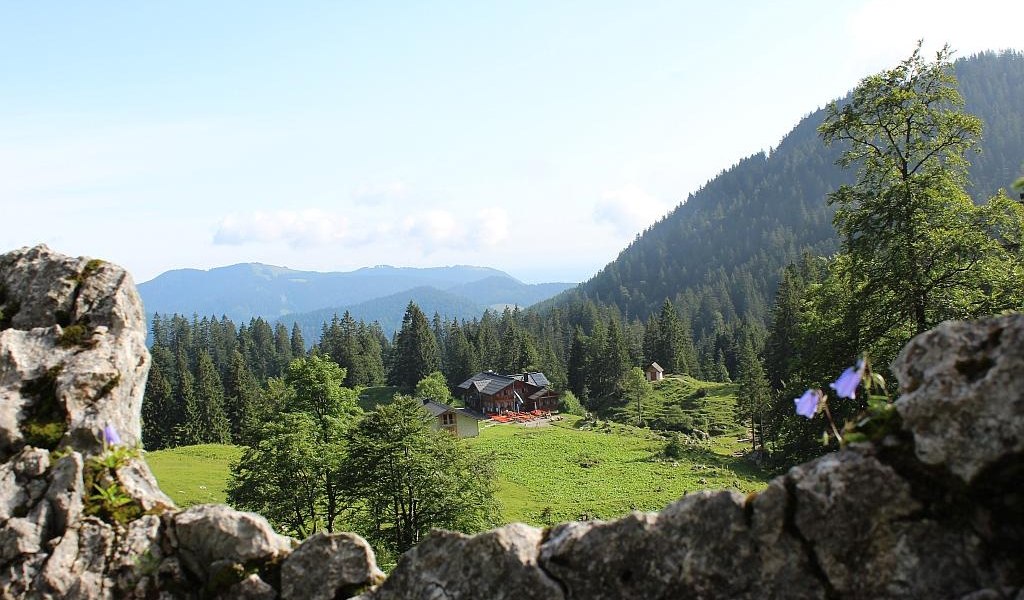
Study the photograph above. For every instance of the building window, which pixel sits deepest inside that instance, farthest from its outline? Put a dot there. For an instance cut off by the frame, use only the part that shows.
(448, 419)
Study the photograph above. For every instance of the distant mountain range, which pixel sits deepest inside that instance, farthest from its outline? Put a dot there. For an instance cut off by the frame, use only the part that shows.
(244, 291)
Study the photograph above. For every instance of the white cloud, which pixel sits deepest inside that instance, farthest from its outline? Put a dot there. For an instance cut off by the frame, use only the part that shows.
(492, 227)
(629, 210)
(433, 227)
(297, 228)
(436, 230)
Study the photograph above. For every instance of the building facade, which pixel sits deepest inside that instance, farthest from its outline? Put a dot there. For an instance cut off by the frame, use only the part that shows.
(488, 392)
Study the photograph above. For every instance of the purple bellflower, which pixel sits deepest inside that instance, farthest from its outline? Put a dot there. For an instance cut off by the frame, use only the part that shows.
(846, 385)
(110, 436)
(807, 405)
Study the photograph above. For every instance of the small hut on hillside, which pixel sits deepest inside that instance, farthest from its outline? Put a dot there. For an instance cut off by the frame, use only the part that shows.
(654, 372)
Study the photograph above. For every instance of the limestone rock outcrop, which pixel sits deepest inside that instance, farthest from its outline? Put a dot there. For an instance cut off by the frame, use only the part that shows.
(931, 508)
(73, 362)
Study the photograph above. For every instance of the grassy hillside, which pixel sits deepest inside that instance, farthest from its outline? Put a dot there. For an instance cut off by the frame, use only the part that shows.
(575, 469)
(194, 474)
(570, 469)
(682, 403)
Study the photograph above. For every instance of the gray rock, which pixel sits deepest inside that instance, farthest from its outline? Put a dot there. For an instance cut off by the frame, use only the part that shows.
(251, 588)
(696, 546)
(499, 564)
(326, 566)
(962, 393)
(77, 329)
(213, 532)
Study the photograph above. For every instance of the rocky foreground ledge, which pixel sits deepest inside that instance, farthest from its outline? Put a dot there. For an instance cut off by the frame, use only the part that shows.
(935, 509)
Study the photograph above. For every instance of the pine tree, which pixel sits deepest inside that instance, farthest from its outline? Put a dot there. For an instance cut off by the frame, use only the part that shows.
(158, 406)
(670, 339)
(460, 361)
(576, 370)
(189, 430)
(488, 345)
(243, 401)
(754, 393)
(298, 344)
(416, 353)
(615, 359)
(213, 422)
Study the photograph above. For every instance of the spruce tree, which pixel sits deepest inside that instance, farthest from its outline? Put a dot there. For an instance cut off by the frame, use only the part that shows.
(754, 393)
(298, 344)
(158, 406)
(576, 370)
(416, 353)
(242, 399)
(460, 362)
(189, 430)
(213, 426)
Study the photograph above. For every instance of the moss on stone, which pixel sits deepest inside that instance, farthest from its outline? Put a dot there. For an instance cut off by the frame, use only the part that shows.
(92, 267)
(75, 335)
(45, 421)
(43, 434)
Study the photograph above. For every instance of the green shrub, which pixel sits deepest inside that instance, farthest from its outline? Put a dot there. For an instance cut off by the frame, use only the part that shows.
(570, 404)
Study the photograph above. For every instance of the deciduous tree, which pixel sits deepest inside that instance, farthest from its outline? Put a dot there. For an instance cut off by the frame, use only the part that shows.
(919, 250)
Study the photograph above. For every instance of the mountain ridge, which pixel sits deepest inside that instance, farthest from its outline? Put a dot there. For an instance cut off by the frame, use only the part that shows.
(244, 291)
(717, 254)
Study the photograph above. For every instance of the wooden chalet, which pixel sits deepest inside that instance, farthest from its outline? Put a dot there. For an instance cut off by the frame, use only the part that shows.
(490, 393)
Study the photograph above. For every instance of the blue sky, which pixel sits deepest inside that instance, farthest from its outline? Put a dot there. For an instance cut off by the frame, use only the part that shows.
(534, 137)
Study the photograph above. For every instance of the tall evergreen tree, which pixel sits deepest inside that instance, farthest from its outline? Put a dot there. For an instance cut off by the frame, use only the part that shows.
(488, 342)
(416, 353)
(242, 398)
(212, 425)
(298, 343)
(576, 370)
(614, 361)
(460, 360)
(668, 345)
(754, 393)
(189, 430)
(159, 410)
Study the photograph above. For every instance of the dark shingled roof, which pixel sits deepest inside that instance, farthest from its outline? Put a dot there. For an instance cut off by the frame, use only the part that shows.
(439, 408)
(486, 383)
(490, 383)
(536, 378)
(435, 408)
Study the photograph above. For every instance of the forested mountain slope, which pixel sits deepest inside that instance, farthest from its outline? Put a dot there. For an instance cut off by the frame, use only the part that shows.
(718, 254)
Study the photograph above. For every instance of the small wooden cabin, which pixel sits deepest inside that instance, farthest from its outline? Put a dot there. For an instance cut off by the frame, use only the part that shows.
(459, 422)
(654, 372)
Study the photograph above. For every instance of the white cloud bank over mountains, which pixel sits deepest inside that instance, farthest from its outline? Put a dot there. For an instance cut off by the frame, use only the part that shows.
(426, 231)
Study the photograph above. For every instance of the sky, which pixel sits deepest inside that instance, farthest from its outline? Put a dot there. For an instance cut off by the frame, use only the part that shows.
(539, 138)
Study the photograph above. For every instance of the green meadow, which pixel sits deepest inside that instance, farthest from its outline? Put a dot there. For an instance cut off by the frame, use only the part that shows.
(575, 469)
(571, 468)
(194, 474)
